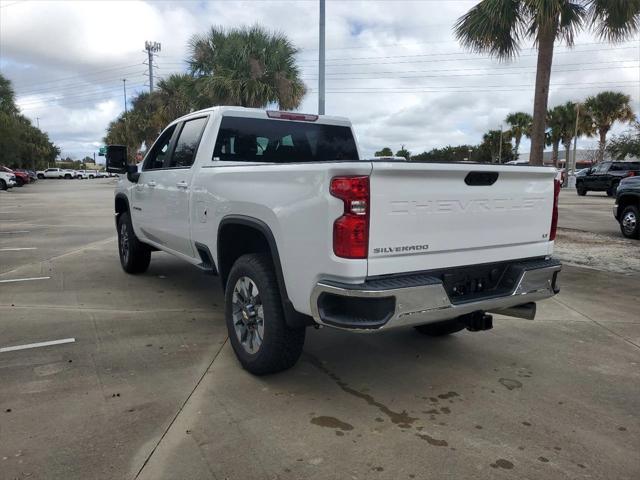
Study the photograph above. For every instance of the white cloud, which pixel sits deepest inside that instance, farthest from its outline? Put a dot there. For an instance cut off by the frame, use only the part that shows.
(394, 67)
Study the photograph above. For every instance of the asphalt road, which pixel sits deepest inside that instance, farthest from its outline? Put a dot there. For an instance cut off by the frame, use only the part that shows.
(591, 213)
(150, 388)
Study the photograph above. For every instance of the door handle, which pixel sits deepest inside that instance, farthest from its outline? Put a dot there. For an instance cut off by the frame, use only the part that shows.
(151, 183)
(182, 184)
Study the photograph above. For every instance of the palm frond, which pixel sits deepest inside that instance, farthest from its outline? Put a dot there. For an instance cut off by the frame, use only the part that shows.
(614, 20)
(492, 26)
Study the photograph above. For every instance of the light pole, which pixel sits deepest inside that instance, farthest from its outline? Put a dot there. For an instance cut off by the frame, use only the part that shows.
(124, 90)
(321, 62)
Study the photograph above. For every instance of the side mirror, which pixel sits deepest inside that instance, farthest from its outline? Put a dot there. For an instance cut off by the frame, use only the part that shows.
(116, 159)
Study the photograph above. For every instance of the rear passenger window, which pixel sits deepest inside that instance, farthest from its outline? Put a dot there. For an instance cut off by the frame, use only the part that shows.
(187, 144)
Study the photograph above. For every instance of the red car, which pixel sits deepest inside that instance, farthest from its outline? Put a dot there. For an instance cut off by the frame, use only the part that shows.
(22, 178)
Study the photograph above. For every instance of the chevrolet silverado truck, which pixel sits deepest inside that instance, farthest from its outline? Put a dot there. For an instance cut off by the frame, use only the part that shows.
(302, 232)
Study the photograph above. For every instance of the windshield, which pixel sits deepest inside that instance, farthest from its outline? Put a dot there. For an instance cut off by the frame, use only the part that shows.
(279, 141)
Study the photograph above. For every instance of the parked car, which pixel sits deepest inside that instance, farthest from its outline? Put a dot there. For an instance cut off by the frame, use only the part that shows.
(32, 175)
(81, 174)
(627, 207)
(605, 177)
(302, 232)
(101, 174)
(92, 173)
(22, 178)
(51, 173)
(7, 180)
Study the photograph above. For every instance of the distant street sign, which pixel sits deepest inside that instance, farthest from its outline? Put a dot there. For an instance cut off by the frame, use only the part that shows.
(102, 152)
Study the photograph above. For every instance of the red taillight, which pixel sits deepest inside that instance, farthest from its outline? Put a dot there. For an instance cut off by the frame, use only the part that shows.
(351, 230)
(554, 215)
(631, 174)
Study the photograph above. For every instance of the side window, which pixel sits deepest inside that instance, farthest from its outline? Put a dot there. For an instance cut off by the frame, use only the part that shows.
(187, 143)
(160, 150)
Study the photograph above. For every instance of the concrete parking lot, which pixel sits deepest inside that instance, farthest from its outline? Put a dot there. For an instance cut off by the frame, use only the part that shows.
(149, 387)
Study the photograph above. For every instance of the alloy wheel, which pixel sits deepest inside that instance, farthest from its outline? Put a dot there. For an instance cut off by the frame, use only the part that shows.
(629, 222)
(248, 314)
(124, 242)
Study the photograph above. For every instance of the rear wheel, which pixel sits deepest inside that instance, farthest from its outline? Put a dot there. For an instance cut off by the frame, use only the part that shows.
(581, 190)
(19, 181)
(629, 222)
(259, 334)
(40, 176)
(441, 328)
(613, 189)
(135, 256)
(3, 184)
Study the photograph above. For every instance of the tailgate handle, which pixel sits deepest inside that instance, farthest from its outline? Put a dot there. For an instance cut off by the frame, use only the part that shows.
(481, 178)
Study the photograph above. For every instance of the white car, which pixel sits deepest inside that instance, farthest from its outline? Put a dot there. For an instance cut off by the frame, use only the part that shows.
(7, 180)
(303, 232)
(101, 174)
(50, 173)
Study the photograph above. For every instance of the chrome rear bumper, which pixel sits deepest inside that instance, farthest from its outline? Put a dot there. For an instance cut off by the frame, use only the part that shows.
(424, 299)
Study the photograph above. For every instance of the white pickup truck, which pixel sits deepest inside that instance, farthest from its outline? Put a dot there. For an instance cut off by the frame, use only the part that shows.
(302, 232)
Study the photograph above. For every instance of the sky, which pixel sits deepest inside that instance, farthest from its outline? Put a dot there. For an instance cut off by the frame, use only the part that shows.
(393, 67)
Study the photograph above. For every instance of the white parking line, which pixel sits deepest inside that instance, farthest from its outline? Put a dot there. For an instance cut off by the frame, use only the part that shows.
(36, 345)
(24, 279)
(17, 249)
(14, 231)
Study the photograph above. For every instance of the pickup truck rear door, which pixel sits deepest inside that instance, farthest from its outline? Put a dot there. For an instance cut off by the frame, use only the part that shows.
(173, 186)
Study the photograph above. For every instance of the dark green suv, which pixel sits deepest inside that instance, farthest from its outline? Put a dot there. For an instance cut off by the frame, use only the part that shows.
(606, 176)
(627, 207)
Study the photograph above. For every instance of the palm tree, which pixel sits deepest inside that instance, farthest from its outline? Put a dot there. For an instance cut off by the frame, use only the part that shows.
(555, 124)
(498, 27)
(250, 67)
(520, 123)
(177, 96)
(605, 109)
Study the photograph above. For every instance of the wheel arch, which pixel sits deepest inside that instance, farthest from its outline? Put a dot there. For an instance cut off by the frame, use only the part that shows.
(627, 199)
(121, 205)
(239, 235)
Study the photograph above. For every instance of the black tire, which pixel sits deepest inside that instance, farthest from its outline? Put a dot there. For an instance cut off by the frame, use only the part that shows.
(613, 189)
(3, 185)
(281, 345)
(67, 177)
(135, 256)
(581, 191)
(630, 222)
(441, 328)
(41, 176)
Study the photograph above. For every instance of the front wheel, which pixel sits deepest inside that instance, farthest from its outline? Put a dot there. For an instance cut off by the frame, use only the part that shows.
(581, 191)
(259, 334)
(440, 329)
(629, 222)
(3, 185)
(40, 176)
(135, 256)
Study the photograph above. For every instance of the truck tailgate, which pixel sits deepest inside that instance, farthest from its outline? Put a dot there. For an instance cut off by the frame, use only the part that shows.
(426, 216)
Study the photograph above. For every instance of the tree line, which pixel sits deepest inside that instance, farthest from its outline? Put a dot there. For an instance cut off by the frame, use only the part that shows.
(592, 118)
(249, 67)
(22, 144)
(499, 27)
